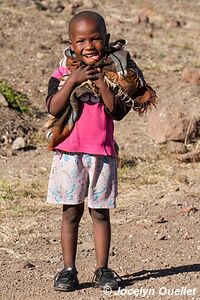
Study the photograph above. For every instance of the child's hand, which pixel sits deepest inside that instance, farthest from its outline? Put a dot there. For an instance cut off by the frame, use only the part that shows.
(106, 94)
(83, 73)
(99, 81)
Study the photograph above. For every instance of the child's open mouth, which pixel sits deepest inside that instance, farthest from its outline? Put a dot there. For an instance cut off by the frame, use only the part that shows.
(92, 57)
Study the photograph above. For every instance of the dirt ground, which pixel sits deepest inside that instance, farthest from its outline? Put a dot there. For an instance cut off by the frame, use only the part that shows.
(155, 228)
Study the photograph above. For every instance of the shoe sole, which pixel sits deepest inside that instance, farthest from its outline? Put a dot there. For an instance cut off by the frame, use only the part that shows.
(103, 287)
(64, 290)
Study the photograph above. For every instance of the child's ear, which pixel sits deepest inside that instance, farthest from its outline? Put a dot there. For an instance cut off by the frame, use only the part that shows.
(107, 38)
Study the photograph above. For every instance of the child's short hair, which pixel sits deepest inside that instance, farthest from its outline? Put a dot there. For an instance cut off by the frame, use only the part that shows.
(90, 15)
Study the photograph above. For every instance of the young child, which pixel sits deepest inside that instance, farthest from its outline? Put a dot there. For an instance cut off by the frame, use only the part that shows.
(85, 160)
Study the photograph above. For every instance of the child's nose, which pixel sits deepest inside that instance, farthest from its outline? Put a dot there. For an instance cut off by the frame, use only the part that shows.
(89, 46)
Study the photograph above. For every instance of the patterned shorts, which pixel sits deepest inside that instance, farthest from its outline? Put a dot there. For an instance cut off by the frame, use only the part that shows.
(74, 176)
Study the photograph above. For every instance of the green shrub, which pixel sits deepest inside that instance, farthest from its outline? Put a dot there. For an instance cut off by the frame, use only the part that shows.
(16, 100)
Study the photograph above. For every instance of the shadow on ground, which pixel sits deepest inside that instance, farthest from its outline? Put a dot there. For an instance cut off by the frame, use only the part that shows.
(146, 274)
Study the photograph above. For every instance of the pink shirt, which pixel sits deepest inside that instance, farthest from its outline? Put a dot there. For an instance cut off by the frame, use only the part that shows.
(93, 131)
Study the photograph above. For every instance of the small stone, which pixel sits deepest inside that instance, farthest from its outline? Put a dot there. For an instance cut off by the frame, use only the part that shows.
(162, 237)
(160, 220)
(19, 143)
(187, 236)
(29, 265)
(40, 55)
(3, 101)
(41, 5)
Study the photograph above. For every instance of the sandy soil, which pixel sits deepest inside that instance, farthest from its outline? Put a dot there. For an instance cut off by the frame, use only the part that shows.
(156, 238)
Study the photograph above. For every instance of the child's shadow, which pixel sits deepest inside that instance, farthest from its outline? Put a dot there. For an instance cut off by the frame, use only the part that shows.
(146, 274)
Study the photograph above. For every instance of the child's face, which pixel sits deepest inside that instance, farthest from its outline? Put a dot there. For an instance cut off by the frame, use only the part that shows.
(88, 40)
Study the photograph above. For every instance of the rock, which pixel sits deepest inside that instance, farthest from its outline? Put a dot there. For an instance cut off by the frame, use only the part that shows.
(174, 23)
(57, 7)
(29, 265)
(3, 101)
(165, 125)
(14, 125)
(160, 220)
(40, 55)
(191, 75)
(162, 237)
(19, 143)
(41, 5)
(52, 6)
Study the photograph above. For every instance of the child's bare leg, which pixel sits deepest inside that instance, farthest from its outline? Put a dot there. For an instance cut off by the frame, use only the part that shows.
(103, 276)
(69, 232)
(102, 235)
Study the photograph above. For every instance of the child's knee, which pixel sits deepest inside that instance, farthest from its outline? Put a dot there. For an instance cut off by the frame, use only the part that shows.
(100, 215)
(72, 213)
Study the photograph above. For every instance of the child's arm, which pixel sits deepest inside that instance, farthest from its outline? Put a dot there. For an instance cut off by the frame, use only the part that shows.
(120, 108)
(114, 105)
(59, 100)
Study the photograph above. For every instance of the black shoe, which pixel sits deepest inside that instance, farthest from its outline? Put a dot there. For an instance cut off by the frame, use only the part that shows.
(66, 280)
(104, 278)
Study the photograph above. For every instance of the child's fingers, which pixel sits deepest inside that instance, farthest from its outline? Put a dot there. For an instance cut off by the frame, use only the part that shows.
(92, 72)
(86, 68)
(93, 77)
